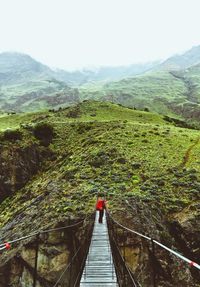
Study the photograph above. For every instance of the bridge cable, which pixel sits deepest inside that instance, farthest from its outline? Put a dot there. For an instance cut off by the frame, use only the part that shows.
(5, 246)
(192, 263)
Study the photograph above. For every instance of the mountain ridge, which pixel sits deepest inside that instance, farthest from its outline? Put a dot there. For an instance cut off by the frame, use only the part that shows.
(23, 62)
(182, 61)
(171, 87)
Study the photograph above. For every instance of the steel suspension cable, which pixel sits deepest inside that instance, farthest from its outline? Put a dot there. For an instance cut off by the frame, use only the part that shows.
(2, 245)
(127, 268)
(71, 262)
(65, 270)
(192, 263)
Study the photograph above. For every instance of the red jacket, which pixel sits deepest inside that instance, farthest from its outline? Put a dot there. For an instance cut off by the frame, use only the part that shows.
(101, 204)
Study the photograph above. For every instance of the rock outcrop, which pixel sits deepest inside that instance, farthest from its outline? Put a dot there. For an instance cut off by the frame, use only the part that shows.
(18, 165)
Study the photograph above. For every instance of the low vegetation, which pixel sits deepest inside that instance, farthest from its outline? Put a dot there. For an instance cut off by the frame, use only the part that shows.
(12, 135)
(147, 167)
(44, 132)
(119, 151)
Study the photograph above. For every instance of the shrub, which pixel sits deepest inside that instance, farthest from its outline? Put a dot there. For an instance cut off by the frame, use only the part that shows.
(83, 127)
(75, 112)
(12, 135)
(44, 132)
(145, 141)
(135, 179)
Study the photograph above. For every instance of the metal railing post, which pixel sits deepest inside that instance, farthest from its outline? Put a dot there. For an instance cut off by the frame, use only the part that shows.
(124, 275)
(70, 275)
(36, 260)
(153, 262)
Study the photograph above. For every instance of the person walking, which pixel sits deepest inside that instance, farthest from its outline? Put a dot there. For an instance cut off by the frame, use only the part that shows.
(101, 206)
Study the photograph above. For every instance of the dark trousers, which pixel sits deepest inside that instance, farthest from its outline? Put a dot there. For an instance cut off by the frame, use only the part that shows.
(101, 213)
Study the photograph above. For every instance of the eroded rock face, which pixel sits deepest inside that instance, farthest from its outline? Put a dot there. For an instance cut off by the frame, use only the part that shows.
(18, 165)
(185, 227)
(181, 233)
(26, 279)
(55, 251)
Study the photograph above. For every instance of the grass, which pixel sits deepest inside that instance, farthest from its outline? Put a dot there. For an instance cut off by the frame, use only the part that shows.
(148, 169)
(104, 111)
(151, 90)
(169, 93)
(162, 92)
(36, 95)
(14, 121)
(124, 153)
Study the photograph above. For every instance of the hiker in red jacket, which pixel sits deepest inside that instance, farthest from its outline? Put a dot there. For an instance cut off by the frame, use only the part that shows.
(100, 206)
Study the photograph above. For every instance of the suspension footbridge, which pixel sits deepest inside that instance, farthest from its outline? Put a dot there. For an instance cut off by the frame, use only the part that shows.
(99, 267)
(100, 259)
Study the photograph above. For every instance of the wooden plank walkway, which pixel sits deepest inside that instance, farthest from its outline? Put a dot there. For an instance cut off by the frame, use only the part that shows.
(99, 268)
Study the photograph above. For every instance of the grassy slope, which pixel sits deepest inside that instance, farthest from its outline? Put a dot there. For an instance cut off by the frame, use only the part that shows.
(14, 121)
(101, 153)
(163, 92)
(36, 95)
(150, 86)
(193, 75)
(160, 91)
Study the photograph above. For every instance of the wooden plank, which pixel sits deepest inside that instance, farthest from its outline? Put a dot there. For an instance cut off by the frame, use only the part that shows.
(99, 268)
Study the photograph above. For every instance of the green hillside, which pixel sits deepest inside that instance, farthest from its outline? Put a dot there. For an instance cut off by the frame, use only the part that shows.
(172, 93)
(152, 90)
(147, 168)
(111, 139)
(37, 95)
(171, 87)
(27, 85)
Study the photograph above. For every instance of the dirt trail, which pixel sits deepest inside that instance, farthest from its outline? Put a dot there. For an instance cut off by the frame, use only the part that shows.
(188, 152)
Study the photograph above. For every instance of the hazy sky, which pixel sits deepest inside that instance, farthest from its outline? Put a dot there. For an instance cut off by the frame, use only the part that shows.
(77, 33)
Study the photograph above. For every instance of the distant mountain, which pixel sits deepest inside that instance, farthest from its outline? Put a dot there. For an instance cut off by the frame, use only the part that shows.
(173, 88)
(183, 61)
(18, 68)
(103, 73)
(28, 85)
(176, 62)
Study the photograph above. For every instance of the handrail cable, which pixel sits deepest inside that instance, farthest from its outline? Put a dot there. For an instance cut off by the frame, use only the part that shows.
(130, 230)
(71, 262)
(192, 263)
(65, 270)
(127, 268)
(2, 245)
(77, 277)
